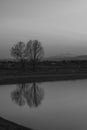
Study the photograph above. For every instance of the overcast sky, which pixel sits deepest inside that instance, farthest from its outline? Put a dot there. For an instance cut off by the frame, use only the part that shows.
(61, 25)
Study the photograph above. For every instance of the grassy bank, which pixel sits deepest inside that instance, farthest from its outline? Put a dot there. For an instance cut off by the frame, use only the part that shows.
(11, 79)
(11, 72)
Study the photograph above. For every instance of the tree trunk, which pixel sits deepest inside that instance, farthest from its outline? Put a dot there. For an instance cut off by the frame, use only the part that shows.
(22, 65)
(34, 65)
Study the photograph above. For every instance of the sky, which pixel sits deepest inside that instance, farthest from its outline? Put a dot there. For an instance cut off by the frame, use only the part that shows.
(60, 25)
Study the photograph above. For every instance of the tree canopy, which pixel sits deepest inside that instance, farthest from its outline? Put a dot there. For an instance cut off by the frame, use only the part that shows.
(18, 50)
(33, 50)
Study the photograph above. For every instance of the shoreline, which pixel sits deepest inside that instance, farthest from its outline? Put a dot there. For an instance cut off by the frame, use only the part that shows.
(10, 125)
(12, 79)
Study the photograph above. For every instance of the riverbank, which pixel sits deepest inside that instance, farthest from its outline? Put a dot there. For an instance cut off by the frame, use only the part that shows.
(12, 79)
(8, 125)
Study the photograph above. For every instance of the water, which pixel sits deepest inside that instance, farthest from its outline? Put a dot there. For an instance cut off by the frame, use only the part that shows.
(46, 106)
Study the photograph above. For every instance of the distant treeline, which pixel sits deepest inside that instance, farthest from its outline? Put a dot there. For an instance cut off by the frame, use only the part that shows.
(47, 66)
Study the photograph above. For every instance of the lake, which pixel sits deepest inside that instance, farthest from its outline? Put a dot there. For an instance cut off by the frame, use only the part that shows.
(60, 105)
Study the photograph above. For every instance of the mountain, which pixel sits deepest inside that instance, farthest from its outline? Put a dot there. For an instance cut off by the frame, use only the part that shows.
(59, 58)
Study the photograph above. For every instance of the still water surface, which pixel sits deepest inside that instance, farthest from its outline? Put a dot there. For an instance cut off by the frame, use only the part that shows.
(46, 106)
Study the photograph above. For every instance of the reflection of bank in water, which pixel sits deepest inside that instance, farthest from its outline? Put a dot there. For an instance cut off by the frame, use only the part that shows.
(26, 93)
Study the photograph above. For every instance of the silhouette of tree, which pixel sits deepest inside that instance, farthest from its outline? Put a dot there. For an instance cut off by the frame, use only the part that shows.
(18, 52)
(17, 97)
(32, 95)
(35, 52)
(32, 51)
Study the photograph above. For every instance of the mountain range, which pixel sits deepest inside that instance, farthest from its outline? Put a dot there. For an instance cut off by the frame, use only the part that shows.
(70, 57)
(58, 57)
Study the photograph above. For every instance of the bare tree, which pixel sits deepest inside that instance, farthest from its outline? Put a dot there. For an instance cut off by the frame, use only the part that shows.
(26, 93)
(35, 51)
(18, 52)
(34, 95)
(32, 51)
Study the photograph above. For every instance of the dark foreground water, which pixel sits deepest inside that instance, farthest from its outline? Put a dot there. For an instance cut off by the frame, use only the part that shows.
(46, 106)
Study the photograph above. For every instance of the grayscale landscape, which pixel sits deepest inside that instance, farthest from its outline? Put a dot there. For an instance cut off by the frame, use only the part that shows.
(43, 65)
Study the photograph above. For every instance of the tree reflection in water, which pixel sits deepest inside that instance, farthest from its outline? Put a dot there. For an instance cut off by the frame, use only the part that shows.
(26, 93)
